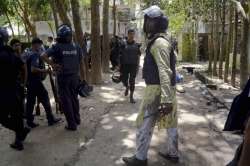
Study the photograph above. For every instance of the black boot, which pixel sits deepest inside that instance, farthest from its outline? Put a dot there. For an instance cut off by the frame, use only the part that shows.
(50, 117)
(32, 124)
(126, 91)
(171, 158)
(24, 134)
(132, 100)
(70, 128)
(133, 161)
(17, 144)
(53, 121)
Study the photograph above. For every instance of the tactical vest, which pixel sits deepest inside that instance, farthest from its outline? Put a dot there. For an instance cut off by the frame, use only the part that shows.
(130, 53)
(150, 68)
(68, 57)
(8, 69)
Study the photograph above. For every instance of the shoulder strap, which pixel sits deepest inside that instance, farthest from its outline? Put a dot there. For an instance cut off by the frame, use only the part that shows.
(172, 56)
(155, 38)
(57, 58)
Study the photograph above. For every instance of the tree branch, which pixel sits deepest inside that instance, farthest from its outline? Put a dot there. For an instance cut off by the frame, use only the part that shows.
(240, 9)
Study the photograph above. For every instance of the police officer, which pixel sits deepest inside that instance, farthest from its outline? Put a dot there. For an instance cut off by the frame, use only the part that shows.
(129, 63)
(23, 75)
(67, 60)
(158, 106)
(10, 104)
(114, 53)
(35, 87)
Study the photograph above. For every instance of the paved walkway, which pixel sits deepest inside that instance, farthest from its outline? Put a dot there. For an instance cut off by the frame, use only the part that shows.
(201, 141)
(108, 133)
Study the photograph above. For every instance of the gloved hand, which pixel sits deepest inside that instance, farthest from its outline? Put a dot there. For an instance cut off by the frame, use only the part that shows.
(165, 108)
(56, 67)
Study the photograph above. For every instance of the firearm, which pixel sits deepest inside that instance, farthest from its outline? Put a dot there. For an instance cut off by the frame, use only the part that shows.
(55, 92)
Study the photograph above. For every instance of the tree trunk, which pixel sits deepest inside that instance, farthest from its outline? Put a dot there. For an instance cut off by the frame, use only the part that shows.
(77, 22)
(11, 27)
(229, 43)
(27, 32)
(25, 17)
(105, 40)
(18, 30)
(217, 38)
(54, 12)
(223, 41)
(244, 52)
(78, 29)
(196, 41)
(233, 77)
(211, 53)
(96, 71)
(51, 27)
(114, 17)
(62, 12)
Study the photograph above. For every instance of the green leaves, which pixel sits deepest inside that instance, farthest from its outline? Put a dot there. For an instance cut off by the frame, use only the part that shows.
(181, 11)
(85, 3)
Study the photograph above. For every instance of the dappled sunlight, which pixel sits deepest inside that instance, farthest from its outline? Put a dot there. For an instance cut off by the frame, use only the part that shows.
(140, 84)
(129, 143)
(185, 102)
(107, 88)
(182, 111)
(202, 133)
(106, 123)
(107, 127)
(133, 117)
(119, 118)
(105, 119)
(191, 118)
(191, 146)
(110, 97)
(192, 83)
(131, 135)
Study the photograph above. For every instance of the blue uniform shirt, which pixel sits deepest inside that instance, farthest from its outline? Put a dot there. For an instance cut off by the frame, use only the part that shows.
(36, 62)
(68, 55)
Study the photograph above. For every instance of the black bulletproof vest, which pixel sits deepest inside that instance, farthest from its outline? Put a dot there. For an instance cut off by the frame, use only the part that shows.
(130, 53)
(9, 68)
(150, 68)
(68, 56)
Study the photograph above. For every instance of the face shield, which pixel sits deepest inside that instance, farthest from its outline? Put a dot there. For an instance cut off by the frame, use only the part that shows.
(154, 21)
(153, 11)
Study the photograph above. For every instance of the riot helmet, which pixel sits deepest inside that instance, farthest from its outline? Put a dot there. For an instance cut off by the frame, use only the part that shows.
(64, 34)
(4, 36)
(154, 21)
(116, 77)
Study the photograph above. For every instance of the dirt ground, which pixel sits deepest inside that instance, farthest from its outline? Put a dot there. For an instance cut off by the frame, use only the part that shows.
(108, 132)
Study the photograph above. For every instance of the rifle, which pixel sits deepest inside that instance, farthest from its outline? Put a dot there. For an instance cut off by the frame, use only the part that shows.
(38, 111)
(55, 92)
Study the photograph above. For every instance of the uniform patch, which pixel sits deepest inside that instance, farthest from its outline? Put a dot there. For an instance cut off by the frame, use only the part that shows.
(72, 52)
